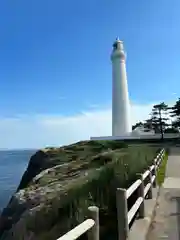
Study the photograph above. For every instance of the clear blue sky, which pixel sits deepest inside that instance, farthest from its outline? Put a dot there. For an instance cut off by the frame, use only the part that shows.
(54, 55)
(55, 63)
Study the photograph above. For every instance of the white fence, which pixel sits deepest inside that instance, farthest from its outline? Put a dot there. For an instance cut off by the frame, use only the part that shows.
(124, 216)
(91, 225)
(144, 191)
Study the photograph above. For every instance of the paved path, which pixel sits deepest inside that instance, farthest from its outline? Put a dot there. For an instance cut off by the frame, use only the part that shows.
(166, 224)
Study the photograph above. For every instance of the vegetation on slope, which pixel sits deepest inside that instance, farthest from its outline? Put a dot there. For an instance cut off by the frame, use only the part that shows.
(65, 181)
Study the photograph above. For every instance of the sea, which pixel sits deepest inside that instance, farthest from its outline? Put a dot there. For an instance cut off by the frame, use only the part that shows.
(13, 163)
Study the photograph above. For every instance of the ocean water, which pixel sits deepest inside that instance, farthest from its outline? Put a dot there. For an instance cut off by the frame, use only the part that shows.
(12, 166)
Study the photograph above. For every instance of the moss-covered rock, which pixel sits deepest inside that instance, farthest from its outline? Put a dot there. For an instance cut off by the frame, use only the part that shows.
(60, 183)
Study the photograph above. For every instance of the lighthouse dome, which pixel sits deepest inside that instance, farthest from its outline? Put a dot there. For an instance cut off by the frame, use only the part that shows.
(118, 50)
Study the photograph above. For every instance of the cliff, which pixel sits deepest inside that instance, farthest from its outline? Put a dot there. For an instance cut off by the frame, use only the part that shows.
(60, 183)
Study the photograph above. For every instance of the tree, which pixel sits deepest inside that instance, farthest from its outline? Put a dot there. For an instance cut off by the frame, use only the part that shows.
(171, 130)
(148, 124)
(137, 125)
(175, 112)
(158, 119)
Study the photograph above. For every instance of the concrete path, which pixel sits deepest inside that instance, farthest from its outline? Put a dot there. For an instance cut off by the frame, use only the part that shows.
(166, 224)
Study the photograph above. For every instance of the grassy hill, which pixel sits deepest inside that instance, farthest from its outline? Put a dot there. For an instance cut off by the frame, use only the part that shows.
(60, 183)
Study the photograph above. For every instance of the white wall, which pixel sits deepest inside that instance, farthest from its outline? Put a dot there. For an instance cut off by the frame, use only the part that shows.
(155, 136)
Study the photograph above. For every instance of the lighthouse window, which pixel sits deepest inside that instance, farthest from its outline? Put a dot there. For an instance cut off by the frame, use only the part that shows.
(115, 45)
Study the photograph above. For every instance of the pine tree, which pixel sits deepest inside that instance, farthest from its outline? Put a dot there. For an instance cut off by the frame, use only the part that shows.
(137, 125)
(158, 120)
(175, 113)
(149, 124)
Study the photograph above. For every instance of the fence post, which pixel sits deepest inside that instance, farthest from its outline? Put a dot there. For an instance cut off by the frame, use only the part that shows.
(141, 194)
(149, 195)
(155, 173)
(122, 214)
(93, 213)
(162, 155)
(159, 160)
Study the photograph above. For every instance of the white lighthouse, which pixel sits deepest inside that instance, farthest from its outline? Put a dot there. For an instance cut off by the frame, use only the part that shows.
(121, 124)
(121, 117)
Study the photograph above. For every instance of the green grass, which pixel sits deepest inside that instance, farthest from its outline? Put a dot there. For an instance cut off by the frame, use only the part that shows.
(94, 171)
(162, 170)
(92, 179)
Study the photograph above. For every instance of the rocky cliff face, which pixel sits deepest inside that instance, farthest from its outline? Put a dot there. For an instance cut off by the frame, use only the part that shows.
(60, 183)
(34, 210)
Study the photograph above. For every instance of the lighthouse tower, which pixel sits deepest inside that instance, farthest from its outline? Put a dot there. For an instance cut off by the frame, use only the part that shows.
(121, 124)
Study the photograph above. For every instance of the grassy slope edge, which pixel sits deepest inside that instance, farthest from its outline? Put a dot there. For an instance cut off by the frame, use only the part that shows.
(79, 175)
(162, 170)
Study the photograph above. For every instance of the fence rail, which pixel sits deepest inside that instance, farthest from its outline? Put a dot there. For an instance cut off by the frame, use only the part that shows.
(144, 192)
(79, 230)
(91, 225)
